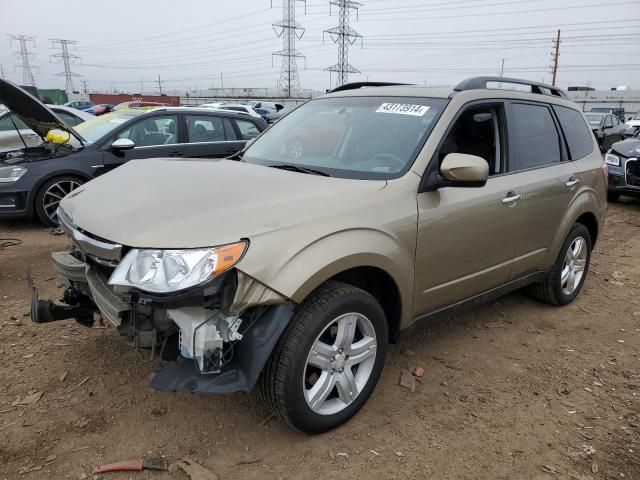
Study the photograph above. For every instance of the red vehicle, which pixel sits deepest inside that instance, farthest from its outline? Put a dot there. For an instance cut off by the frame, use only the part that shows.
(318, 136)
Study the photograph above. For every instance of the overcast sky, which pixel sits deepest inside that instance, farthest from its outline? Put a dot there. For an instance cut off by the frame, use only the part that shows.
(437, 42)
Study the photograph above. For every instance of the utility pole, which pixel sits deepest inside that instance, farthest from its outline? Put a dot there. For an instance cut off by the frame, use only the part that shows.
(141, 86)
(26, 56)
(290, 31)
(554, 56)
(66, 59)
(159, 85)
(1, 72)
(221, 82)
(502, 69)
(344, 36)
(84, 86)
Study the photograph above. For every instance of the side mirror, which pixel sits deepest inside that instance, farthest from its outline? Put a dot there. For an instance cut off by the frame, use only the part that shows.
(122, 144)
(461, 170)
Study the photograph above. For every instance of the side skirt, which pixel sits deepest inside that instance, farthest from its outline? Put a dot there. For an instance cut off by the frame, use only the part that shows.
(471, 302)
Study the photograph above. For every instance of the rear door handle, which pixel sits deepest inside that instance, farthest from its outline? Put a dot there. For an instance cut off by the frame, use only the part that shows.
(572, 182)
(512, 198)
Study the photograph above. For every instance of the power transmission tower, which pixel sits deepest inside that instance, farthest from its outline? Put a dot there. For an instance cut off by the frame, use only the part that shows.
(554, 57)
(290, 31)
(159, 85)
(26, 56)
(66, 59)
(344, 36)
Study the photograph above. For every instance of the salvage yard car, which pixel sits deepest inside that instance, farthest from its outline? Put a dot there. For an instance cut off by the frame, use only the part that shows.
(12, 139)
(33, 179)
(293, 269)
(607, 128)
(623, 162)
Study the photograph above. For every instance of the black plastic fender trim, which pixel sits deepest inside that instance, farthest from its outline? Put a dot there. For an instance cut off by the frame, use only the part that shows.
(242, 372)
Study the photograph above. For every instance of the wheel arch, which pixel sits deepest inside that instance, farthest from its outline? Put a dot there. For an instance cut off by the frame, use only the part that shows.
(371, 259)
(67, 172)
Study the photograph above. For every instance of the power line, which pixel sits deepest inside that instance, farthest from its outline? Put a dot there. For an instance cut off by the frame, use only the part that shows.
(289, 30)
(344, 36)
(66, 59)
(26, 56)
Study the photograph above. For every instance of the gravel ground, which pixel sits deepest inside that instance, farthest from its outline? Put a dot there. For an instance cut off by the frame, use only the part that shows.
(515, 389)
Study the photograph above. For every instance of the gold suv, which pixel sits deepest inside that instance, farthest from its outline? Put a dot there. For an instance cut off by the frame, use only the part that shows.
(360, 214)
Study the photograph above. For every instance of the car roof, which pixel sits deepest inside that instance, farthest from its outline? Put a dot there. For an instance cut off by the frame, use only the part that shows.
(74, 111)
(471, 92)
(191, 110)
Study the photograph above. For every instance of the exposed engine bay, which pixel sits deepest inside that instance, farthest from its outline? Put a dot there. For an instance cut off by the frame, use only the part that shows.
(197, 333)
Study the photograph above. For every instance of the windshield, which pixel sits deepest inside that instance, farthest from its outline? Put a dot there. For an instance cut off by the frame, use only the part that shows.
(95, 128)
(594, 119)
(350, 137)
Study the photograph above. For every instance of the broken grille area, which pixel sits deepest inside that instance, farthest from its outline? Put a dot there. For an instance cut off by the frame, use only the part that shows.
(633, 173)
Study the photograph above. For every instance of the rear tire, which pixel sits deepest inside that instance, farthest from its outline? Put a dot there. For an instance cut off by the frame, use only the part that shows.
(49, 196)
(565, 280)
(309, 380)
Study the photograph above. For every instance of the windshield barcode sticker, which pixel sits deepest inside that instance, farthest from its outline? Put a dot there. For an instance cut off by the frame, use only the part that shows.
(403, 109)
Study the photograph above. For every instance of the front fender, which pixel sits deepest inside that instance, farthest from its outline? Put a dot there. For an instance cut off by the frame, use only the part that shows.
(297, 275)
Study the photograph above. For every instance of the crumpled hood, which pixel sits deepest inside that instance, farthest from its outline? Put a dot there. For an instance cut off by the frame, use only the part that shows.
(627, 148)
(189, 203)
(32, 111)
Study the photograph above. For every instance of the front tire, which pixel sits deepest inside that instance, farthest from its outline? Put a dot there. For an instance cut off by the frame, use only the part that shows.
(569, 272)
(49, 196)
(328, 360)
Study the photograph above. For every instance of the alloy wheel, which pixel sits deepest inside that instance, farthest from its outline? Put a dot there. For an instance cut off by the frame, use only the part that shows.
(54, 194)
(573, 267)
(339, 364)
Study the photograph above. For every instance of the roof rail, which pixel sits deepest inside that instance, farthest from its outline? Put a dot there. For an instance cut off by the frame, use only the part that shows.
(475, 83)
(356, 85)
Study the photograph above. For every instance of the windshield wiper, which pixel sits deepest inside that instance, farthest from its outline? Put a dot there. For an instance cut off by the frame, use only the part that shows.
(298, 168)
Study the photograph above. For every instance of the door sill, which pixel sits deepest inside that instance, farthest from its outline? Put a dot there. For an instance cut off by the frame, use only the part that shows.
(474, 301)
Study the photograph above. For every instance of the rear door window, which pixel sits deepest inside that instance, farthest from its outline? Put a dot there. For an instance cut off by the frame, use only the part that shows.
(577, 133)
(201, 128)
(248, 130)
(7, 124)
(535, 137)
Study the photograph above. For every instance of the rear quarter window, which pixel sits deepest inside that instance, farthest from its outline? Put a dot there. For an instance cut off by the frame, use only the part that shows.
(576, 132)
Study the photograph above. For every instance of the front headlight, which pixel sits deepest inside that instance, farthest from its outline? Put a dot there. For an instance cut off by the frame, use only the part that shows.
(163, 271)
(11, 174)
(611, 159)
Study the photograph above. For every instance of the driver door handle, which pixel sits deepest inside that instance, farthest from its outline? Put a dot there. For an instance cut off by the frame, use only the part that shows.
(572, 182)
(512, 198)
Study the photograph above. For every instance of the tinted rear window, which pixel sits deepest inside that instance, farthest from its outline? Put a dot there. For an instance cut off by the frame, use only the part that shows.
(535, 135)
(576, 131)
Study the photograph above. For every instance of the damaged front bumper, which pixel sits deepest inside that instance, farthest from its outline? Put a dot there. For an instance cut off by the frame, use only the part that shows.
(202, 348)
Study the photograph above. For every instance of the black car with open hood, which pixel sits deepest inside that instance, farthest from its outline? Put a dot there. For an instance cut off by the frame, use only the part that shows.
(33, 179)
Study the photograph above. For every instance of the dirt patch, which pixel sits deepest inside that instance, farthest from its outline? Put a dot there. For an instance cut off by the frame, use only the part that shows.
(515, 389)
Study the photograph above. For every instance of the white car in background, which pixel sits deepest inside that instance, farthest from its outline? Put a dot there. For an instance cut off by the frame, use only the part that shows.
(234, 107)
(634, 123)
(10, 137)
